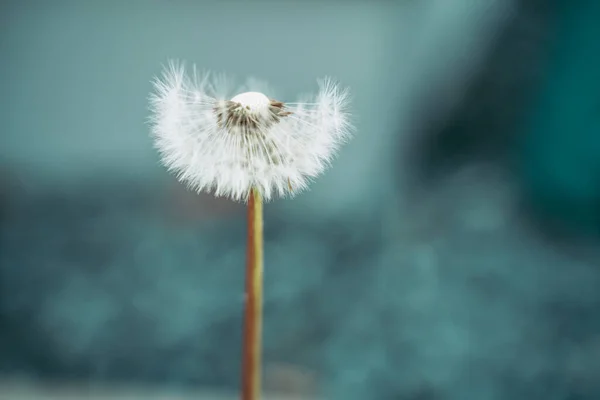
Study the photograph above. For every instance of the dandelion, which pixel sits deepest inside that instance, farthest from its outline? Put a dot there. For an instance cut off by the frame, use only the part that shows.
(228, 146)
(248, 147)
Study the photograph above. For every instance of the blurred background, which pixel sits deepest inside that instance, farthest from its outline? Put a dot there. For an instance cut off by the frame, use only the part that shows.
(451, 253)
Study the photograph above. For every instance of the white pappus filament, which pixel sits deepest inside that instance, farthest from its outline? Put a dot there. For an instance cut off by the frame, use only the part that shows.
(229, 145)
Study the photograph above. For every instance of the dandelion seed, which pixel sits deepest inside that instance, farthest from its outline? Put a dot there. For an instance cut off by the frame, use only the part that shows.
(230, 145)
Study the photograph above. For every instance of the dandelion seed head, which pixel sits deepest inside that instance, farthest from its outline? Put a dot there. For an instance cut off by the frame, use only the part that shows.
(227, 146)
(252, 101)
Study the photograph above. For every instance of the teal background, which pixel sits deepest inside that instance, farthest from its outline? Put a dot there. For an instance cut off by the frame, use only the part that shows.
(559, 156)
(450, 252)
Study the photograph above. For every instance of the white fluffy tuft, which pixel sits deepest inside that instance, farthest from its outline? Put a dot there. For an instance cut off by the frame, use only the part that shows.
(278, 159)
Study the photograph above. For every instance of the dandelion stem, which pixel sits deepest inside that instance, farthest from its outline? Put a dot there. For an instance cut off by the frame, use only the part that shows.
(252, 339)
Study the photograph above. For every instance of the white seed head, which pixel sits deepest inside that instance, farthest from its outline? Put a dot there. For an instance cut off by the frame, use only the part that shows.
(254, 101)
(228, 147)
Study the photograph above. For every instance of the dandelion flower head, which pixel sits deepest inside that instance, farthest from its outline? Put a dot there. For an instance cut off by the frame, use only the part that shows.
(227, 145)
